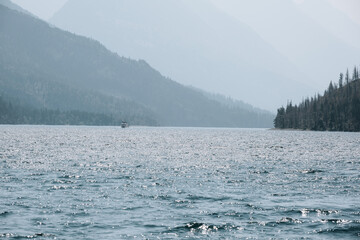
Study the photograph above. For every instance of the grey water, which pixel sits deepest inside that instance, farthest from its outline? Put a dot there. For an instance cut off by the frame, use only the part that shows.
(62, 182)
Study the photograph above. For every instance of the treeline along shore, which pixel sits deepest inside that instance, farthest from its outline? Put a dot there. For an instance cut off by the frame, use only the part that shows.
(15, 114)
(337, 110)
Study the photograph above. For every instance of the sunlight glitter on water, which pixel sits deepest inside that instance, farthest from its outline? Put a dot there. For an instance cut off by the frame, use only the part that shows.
(107, 182)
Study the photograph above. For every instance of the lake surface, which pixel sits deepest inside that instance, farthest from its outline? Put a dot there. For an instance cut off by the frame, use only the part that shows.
(175, 183)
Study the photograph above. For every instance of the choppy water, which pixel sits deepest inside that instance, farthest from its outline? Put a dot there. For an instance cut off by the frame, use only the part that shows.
(173, 183)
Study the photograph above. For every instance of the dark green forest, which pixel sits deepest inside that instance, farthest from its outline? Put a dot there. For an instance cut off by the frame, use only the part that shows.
(337, 110)
(14, 114)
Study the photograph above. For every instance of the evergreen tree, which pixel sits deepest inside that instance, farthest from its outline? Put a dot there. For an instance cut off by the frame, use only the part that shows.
(341, 80)
(331, 87)
(279, 121)
(337, 110)
(355, 74)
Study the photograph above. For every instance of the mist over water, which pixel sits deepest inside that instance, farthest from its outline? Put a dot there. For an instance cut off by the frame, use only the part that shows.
(112, 183)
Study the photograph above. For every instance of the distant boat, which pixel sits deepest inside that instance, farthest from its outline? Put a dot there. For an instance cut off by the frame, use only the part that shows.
(124, 124)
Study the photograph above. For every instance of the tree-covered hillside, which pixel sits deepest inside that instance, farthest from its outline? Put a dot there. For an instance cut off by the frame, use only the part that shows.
(337, 110)
(45, 67)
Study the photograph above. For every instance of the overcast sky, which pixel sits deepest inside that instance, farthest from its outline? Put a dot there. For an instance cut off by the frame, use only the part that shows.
(349, 7)
(46, 8)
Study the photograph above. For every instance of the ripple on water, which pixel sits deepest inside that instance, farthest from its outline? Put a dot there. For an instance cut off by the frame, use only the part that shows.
(148, 183)
(31, 236)
(203, 228)
(5, 214)
(341, 231)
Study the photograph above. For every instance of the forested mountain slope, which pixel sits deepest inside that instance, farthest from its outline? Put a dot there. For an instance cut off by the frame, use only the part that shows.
(46, 67)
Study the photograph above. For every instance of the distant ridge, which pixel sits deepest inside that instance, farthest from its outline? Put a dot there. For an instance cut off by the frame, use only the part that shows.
(45, 67)
(230, 102)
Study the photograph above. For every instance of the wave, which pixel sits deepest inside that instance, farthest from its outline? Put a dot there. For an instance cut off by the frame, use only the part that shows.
(202, 198)
(5, 214)
(198, 227)
(311, 171)
(32, 236)
(326, 212)
(347, 229)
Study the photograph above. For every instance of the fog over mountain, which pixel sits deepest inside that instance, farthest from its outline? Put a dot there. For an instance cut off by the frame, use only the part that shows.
(193, 43)
(334, 21)
(43, 9)
(42, 66)
(349, 7)
(318, 38)
(206, 46)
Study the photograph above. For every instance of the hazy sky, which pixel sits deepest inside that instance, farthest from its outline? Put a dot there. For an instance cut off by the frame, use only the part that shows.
(349, 7)
(46, 8)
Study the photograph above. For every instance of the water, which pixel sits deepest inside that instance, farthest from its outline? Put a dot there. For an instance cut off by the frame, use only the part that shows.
(174, 183)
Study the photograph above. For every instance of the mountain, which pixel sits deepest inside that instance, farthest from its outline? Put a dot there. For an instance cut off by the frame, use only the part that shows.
(45, 67)
(337, 110)
(317, 38)
(192, 42)
(230, 102)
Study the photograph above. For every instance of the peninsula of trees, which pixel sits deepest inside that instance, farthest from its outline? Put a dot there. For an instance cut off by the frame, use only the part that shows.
(337, 110)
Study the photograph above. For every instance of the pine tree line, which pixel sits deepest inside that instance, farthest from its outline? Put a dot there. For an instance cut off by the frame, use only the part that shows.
(337, 110)
(14, 114)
